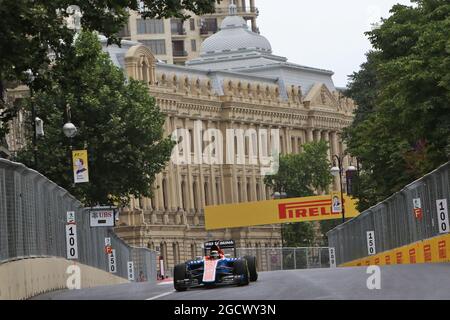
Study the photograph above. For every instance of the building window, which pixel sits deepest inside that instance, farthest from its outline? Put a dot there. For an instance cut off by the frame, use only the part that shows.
(209, 25)
(165, 195)
(193, 45)
(192, 24)
(183, 195)
(218, 193)
(206, 193)
(191, 137)
(239, 190)
(194, 195)
(176, 26)
(258, 192)
(178, 48)
(281, 145)
(124, 32)
(293, 145)
(156, 46)
(152, 26)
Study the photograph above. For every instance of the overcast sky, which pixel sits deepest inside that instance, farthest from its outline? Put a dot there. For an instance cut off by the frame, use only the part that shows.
(327, 34)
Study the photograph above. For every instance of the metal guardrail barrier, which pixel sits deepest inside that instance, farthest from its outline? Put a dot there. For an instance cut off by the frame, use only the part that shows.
(397, 221)
(273, 259)
(33, 216)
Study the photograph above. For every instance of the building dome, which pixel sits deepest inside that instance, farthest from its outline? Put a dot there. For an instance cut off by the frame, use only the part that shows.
(234, 35)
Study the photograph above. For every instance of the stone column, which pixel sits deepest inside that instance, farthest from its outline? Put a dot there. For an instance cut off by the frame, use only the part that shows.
(326, 138)
(309, 135)
(335, 144)
(317, 135)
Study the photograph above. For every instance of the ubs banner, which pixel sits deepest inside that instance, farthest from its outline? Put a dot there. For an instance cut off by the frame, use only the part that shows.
(276, 211)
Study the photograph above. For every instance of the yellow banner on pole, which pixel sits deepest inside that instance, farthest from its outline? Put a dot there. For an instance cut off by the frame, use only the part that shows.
(336, 206)
(290, 210)
(80, 166)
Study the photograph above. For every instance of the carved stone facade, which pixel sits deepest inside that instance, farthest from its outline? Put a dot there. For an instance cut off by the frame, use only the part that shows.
(172, 221)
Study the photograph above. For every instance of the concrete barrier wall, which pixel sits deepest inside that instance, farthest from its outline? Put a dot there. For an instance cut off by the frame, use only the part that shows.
(433, 250)
(25, 278)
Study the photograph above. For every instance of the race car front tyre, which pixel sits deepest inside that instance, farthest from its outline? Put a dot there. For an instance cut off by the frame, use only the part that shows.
(179, 274)
(241, 269)
(251, 263)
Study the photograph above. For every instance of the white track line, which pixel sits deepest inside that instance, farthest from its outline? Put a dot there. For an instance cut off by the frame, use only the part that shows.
(160, 295)
(165, 283)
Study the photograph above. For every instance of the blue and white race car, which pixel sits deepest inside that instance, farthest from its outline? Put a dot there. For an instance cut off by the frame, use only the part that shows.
(215, 268)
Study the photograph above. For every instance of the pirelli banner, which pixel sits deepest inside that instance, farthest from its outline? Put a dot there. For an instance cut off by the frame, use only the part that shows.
(277, 211)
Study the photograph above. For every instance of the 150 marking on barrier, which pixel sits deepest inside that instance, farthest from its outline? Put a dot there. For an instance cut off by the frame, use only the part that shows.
(112, 261)
(371, 243)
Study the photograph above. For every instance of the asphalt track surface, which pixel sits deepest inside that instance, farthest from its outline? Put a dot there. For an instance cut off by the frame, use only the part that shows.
(421, 281)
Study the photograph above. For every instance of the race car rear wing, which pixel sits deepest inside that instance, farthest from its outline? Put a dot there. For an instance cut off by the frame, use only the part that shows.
(223, 244)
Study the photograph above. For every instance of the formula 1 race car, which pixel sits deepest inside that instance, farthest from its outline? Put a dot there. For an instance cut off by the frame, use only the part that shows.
(215, 268)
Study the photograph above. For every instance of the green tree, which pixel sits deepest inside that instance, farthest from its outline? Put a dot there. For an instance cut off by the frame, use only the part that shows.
(301, 175)
(402, 125)
(119, 124)
(30, 30)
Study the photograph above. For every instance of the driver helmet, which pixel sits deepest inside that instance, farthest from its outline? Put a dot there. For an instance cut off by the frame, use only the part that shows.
(215, 251)
(215, 254)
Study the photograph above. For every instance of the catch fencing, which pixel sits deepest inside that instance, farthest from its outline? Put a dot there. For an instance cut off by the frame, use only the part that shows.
(273, 259)
(397, 221)
(33, 219)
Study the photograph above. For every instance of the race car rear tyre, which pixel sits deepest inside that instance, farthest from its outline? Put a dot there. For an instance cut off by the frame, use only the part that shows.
(251, 263)
(241, 268)
(179, 273)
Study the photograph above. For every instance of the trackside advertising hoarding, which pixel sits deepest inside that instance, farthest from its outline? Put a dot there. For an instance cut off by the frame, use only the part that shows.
(315, 208)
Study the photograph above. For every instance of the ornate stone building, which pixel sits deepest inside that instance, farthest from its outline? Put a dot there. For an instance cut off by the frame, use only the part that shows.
(236, 82)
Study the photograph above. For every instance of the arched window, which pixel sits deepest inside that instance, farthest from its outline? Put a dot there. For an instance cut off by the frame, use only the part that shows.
(293, 149)
(281, 145)
(165, 195)
(194, 195)
(239, 191)
(183, 195)
(258, 195)
(218, 193)
(206, 193)
(193, 251)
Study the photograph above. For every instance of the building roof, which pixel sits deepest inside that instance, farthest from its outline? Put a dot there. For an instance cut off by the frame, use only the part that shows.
(234, 36)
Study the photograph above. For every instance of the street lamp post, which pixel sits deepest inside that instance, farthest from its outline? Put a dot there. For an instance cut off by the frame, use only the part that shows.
(31, 79)
(280, 195)
(338, 170)
(70, 131)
